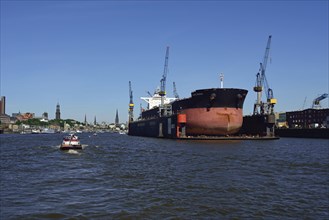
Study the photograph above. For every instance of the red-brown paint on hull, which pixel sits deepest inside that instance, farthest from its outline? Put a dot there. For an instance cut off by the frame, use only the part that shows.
(213, 121)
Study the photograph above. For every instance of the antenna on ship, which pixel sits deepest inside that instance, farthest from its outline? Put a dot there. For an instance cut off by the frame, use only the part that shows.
(221, 77)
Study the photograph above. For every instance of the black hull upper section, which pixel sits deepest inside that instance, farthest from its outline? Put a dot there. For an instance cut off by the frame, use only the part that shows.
(205, 98)
(208, 98)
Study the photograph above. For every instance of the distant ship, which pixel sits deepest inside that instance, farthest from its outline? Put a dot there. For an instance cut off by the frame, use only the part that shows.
(213, 112)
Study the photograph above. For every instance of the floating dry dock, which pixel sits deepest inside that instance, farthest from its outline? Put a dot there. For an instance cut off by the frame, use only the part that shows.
(174, 127)
(220, 138)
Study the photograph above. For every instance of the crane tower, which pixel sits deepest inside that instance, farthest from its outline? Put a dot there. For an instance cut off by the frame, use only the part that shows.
(316, 101)
(162, 92)
(260, 107)
(175, 91)
(131, 104)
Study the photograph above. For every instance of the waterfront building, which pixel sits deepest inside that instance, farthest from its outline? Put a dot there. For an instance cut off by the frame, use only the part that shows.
(4, 119)
(3, 105)
(15, 114)
(58, 112)
(66, 126)
(281, 119)
(45, 116)
(24, 116)
(308, 118)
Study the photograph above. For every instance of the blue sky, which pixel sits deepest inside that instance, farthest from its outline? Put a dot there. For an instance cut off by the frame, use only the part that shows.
(81, 54)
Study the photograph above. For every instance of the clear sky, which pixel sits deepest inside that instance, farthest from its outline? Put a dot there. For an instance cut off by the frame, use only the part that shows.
(82, 54)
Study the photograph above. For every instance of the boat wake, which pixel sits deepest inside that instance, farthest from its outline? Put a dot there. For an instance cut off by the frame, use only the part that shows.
(56, 146)
(73, 151)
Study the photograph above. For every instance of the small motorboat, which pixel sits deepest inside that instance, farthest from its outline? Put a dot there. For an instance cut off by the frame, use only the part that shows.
(71, 142)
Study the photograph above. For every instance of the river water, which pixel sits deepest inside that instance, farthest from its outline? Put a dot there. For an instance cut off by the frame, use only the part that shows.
(117, 176)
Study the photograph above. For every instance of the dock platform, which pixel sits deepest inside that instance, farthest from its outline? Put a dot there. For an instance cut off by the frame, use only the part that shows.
(225, 138)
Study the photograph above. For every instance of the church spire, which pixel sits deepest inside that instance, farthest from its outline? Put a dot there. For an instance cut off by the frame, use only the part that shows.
(58, 112)
(117, 118)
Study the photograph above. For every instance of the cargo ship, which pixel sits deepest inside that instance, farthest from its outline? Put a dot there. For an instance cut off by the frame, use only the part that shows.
(213, 113)
(208, 112)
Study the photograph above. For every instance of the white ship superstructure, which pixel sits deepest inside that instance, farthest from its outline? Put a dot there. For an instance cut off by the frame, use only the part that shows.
(155, 100)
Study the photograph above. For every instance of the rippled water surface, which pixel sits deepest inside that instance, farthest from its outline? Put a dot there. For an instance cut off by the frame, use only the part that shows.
(123, 177)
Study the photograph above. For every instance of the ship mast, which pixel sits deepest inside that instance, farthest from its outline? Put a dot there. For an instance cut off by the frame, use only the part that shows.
(221, 77)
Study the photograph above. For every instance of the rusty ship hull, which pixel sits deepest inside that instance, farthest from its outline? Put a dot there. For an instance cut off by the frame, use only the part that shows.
(216, 121)
(212, 112)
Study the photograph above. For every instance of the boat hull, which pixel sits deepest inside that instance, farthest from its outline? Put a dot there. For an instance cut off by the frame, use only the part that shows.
(213, 112)
(71, 142)
(215, 121)
(70, 147)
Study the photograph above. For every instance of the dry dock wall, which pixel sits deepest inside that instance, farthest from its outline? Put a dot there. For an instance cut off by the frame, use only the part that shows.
(157, 127)
(304, 133)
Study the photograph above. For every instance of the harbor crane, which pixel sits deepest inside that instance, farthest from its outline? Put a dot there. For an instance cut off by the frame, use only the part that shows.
(316, 101)
(162, 92)
(261, 107)
(131, 104)
(175, 91)
(304, 103)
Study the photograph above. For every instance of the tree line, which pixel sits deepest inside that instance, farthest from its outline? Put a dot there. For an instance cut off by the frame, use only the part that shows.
(58, 122)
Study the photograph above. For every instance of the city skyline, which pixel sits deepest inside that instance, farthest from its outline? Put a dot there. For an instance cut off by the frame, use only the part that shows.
(45, 114)
(83, 54)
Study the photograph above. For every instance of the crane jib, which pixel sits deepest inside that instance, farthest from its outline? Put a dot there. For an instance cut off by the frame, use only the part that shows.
(165, 72)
